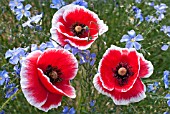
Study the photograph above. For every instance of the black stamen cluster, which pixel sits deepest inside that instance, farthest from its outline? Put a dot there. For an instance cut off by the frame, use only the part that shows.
(75, 32)
(122, 80)
(49, 70)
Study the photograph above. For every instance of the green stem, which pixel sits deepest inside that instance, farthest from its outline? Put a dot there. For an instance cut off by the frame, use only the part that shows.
(6, 102)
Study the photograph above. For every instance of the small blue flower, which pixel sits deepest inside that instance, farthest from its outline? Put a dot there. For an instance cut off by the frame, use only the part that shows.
(3, 76)
(23, 11)
(15, 4)
(131, 39)
(138, 1)
(153, 87)
(2, 112)
(168, 97)
(165, 47)
(166, 113)
(152, 19)
(16, 55)
(165, 78)
(160, 10)
(81, 3)
(166, 30)
(138, 13)
(152, 4)
(66, 110)
(92, 103)
(35, 19)
(42, 46)
(57, 4)
(17, 70)
(85, 55)
(38, 28)
(10, 90)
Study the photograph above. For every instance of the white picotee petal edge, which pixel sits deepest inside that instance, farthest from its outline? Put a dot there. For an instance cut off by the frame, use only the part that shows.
(122, 101)
(149, 65)
(24, 82)
(49, 108)
(113, 47)
(64, 11)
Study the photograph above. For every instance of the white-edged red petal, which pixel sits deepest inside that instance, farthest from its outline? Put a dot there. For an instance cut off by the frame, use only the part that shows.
(135, 94)
(60, 58)
(111, 58)
(61, 90)
(35, 93)
(36, 86)
(146, 67)
(53, 101)
(68, 15)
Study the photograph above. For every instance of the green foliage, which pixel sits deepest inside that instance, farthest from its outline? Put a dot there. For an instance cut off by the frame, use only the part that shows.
(119, 19)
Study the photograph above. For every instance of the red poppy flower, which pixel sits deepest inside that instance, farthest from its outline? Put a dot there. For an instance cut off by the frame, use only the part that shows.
(119, 75)
(45, 77)
(76, 25)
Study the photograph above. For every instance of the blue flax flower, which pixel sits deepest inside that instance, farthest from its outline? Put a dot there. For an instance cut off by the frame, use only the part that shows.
(138, 1)
(3, 76)
(57, 4)
(85, 55)
(10, 90)
(17, 70)
(160, 10)
(131, 39)
(166, 113)
(166, 30)
(168, 97)
(2, 112)
(66, 110)
(165, 78)
(165, 46)
(42, 46)
(150, 18)
(31, 20)
(15, 4)
(138, 13)
(16, 55)
(23, 11)
(81, 3)
(153, 87)
(92, 103)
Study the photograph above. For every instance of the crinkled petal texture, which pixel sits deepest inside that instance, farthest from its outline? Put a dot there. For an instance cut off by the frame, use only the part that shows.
(66, 17)
(106, 82)
(36, 86)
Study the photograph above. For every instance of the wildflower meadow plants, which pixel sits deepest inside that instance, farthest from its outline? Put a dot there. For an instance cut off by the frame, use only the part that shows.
(85, 56)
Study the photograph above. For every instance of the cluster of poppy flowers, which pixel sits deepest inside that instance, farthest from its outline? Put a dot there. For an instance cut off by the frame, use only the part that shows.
(45, 76)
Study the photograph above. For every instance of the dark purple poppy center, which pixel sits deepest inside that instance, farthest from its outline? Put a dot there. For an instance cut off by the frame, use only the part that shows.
(78, 29)
(122, 72)
(53, 73)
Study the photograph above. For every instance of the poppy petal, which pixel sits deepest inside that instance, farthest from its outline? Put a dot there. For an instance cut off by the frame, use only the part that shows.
(53, 101)
(81, 44)
(109, 61)
(64, 19)
(135, 94)
(62, 90)
(146, 67)
(68, 89)
(60, 58)
(129, 56)
(112, 57)
(33, 90)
